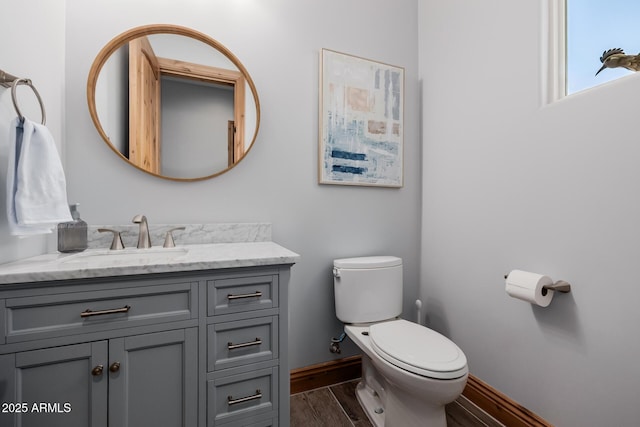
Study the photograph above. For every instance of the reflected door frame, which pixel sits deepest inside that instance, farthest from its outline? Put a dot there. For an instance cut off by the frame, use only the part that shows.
(145, 73)
(215, 75)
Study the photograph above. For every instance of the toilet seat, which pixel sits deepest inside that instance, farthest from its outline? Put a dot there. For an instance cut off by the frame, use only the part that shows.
(418, 349)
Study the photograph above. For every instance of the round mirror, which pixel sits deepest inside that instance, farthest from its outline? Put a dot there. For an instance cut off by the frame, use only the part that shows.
(173, 102)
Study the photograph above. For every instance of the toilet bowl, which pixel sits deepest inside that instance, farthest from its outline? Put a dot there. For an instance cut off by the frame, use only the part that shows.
(409, 372)
(411, 392)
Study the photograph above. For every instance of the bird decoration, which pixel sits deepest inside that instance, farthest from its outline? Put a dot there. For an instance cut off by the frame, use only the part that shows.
(614, 58)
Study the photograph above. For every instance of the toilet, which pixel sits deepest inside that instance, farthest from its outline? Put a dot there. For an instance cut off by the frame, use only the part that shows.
(409, 372)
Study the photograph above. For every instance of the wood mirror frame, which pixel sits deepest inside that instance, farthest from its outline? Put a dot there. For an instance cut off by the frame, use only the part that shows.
(227, 76)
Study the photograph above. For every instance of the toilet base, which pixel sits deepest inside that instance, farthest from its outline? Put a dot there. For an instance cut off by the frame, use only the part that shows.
(371, 404)
(384, 402)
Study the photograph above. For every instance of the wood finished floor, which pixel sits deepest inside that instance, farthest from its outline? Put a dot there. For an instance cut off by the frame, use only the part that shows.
(337, 406)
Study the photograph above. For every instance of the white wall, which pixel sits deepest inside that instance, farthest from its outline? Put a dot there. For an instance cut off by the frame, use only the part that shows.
(32, 34)
(278, 41)
(507, 183)
(554, 189)
(112, 91)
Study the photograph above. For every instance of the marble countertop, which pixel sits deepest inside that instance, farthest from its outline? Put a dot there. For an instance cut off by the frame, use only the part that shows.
(132, 261)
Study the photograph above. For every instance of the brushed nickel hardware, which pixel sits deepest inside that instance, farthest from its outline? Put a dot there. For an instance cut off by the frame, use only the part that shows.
(144, 240)
(256, 294)
(6, 79)
(88, 312)
(10, 81)
(232, 401)
(232, 346)
(97, 371)
(559, 286)
(116, 243)
(168, 240)
(114, 367)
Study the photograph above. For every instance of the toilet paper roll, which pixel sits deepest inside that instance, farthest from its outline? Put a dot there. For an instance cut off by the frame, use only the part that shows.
(529, 287)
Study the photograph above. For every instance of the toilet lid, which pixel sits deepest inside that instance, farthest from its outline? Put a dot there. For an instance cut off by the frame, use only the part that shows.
(418, 349)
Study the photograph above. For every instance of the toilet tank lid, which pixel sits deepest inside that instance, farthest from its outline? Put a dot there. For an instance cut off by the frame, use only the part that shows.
(368, 262)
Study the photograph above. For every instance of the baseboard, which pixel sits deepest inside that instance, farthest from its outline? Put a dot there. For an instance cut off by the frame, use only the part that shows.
(324, 374)
(485, 397)
(499, 406)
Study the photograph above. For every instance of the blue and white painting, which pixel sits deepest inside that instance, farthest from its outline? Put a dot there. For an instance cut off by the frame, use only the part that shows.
(361, 121)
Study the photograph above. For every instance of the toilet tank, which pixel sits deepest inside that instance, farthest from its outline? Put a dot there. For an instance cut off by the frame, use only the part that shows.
(367, 289)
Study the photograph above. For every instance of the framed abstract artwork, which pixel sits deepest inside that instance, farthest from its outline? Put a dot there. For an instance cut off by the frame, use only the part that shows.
(361, 121)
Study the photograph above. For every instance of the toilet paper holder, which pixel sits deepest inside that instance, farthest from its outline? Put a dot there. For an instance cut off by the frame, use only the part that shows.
(559, 286)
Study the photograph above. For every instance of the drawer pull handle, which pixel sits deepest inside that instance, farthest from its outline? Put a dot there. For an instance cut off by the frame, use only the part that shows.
(232, 346)
(88, 312)
(232, 401)
(256, 294)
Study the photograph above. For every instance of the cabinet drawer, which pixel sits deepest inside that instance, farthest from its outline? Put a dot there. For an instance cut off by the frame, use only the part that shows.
(232, 344)
(244, 395)
(240, 294)
(46, 316)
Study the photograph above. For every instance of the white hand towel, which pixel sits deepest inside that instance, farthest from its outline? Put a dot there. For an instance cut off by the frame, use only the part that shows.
(36, 185)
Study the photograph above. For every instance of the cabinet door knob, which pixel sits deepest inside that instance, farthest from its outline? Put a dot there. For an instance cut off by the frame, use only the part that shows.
(97, 371)
(115, 367)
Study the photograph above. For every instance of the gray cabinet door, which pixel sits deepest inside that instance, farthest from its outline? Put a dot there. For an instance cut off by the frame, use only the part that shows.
(156, 380)
(55, 387)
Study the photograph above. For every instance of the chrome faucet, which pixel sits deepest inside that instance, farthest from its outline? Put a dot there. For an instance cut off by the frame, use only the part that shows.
(144, 240)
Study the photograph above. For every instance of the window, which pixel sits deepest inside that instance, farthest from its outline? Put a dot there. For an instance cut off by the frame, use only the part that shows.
(593, 27)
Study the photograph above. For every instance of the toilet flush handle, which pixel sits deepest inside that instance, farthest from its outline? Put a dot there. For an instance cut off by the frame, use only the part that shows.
(336, 272)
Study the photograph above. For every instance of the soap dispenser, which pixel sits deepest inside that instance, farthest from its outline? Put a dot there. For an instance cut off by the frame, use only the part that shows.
(72, 235)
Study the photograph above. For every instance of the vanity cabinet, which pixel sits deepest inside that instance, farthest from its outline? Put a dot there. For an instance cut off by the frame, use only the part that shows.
(155, 383)
(192, 349)
(243, 349)
(134, 381)
(45, 375)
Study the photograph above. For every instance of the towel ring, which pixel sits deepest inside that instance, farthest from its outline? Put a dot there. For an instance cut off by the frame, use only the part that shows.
(14, 98)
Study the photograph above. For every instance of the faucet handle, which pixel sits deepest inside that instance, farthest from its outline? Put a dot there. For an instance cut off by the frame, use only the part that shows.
(168, 241)
(116, 244)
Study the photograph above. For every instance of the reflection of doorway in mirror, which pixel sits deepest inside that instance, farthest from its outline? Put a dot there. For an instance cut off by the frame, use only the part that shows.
(194, 117)
(149, 138)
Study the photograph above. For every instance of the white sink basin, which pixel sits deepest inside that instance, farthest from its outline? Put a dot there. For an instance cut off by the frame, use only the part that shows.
(128, 256)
